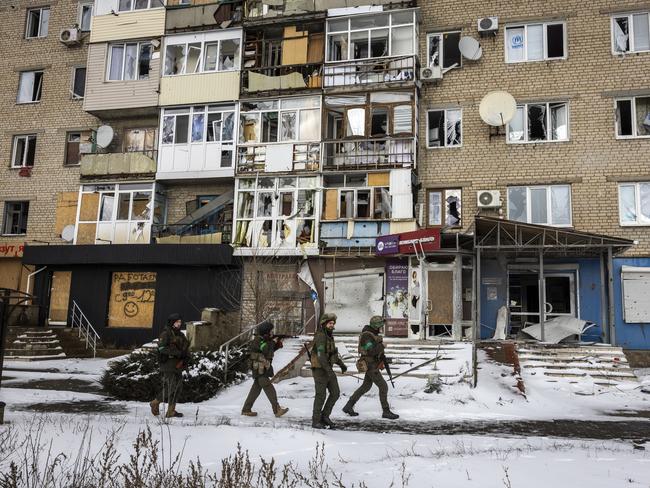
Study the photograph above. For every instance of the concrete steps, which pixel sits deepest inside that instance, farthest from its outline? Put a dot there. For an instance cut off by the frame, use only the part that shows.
(37, 344)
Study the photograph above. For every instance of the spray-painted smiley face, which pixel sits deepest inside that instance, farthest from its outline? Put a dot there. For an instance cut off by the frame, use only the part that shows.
(131, 309)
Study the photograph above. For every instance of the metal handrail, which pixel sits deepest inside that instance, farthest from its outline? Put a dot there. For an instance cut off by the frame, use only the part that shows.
(85, 328)
(225, 347)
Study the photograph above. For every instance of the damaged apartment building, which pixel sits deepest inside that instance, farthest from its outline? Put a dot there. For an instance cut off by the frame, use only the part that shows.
(288, 157)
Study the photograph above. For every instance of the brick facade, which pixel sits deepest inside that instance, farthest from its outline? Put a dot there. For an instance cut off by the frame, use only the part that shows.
(593, 161)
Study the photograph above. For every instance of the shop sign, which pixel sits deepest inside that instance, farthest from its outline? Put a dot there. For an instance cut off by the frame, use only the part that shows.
(12, 249)
(425, 239)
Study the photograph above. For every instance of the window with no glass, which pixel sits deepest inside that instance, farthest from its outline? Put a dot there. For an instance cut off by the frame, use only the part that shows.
(204, 55)
(30, 87)
(535, 42)
(633, 117)
(444, 208)
(78, 82)
(129, 61)
(15, 220)
(444, 128)
(546, 205)
(85, 16)
(539, 122)
(38, 20)
(24, 151)
(631, 33)
(442, 50)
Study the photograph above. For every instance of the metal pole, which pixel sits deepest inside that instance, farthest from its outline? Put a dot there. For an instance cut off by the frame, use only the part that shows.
(542, 295)
(610, 296)
(604, 317)
(477, 323)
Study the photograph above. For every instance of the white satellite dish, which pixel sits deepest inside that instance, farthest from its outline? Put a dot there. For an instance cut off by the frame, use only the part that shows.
(104, 136)
(470, 48)
(497, 108)
(68, 233)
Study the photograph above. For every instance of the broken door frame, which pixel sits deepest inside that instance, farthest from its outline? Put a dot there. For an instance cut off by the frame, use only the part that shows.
(457, 288)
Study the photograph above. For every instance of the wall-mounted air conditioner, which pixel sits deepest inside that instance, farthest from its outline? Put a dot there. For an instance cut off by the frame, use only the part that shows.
(488, 198)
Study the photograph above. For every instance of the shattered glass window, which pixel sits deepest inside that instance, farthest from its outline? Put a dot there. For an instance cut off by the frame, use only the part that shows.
(269, 126)
(453, 209)
(536, 122)
(379, 43)
(144, 60)
(198, 126)
(435, 210)
(245, 204)
(288, 130)
(642, 106)
(359, 45)
(250, 127)
(559, 121)
(627, 204)
(229, 55)
(516, 126)
(382, 203)
(433, 50)
(210, 57)
(363, 204)
(228, 126)
(621, 34)
(337, 47)
(453, 127)
(214, 126)
(517, 204)
(130, 58)
(174, 59)
(264, 204)
(193, 58)
(168, 129)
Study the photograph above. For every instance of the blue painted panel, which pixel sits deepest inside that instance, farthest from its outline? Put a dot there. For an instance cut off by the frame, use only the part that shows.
(492, 272)
(335, 233)
(628, 336)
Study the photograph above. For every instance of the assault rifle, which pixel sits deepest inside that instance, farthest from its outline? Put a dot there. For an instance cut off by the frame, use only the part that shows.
(283, 336)
(387, 362)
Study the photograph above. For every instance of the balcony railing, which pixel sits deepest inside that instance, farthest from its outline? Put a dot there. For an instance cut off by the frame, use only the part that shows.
(362, 72)
(369, 154)
(281, 157)
(279, 78)
(119, 163)
(202, 233)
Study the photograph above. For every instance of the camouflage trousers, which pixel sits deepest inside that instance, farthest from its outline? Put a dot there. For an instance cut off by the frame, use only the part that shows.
(324, 382)
(373, 377)
(171, 386)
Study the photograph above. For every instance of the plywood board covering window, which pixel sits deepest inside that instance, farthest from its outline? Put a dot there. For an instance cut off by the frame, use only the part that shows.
(60, 296)
(132, 300)
(89, 205)
(66, 210)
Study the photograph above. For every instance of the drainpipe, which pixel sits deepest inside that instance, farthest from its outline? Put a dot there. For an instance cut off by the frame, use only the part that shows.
(610, 296)
(29, 279)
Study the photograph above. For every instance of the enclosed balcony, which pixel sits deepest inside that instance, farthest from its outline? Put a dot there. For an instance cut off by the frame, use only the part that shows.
(189, 15)
(127, 19)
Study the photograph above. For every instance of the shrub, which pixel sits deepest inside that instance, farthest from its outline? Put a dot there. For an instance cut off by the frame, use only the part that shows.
(136, 376)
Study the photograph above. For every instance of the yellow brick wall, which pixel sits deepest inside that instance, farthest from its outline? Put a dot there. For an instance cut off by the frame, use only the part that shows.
(593, 160)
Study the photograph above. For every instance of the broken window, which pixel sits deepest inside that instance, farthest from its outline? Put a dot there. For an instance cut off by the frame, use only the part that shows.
(379, 122)
(535, 42)
(371, 36)
(175, 126)
(73, 146)
(78, 82)
(107, 206)
(286, 204)
(442, 50)
(546, 205)
(631, 33)
(24, 152)
(444, 206)
(269, 127)
(288, 130)
(290, 119)
(444, 128)
(363, 204)
(198, 126)
(38, 21)
(85, 16)
(15, 218)
(129, 61)
(201, 56)
(30, 86)
(139, 140)
(539, 122)
(127, 5)
(382, 206)
(633, 117)
(356, 122)
(229, 55)
(634, 203)
(453, 212)
(434, 208)
(346, 204)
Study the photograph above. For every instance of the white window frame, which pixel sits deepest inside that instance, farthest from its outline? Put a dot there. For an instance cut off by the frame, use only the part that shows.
(40, 89)
(548, 139)
(549, 205)
(390, 28)
(14, 149)
(544, 41)
(445, 110)
(634, 134)
(137, 61)
(630, 27)
(639, 221)
(155, 3)
(81, 7)
(444, 213)
(73, 95)
(185, 41)
(5, 216)
(40, 34)
(441, 60)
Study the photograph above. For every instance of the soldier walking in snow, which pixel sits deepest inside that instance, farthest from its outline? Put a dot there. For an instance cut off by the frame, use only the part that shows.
(323, 356)
(261, 350)
(371, 349)
(173, 351)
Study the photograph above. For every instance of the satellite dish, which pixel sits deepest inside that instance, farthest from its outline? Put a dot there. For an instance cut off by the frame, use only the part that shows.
(104, 136)
(68, 233)
(497, 108)
(470, 48)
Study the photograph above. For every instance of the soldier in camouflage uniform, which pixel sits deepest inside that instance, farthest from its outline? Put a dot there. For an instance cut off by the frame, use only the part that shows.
(371, 349)
(323, 356)
(173, 352)
(261, 350)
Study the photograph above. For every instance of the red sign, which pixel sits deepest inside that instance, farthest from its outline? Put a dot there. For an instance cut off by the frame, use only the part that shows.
(425, 239)
(11, 250)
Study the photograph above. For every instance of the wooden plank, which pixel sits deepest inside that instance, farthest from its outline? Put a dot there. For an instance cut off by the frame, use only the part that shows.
(441, 297)
(330, 210)
(379, 179)
(294, 46)
(316, 49)
(89, 207)
(66, 210)
(132, 300)
(60, 296)
(86, 234)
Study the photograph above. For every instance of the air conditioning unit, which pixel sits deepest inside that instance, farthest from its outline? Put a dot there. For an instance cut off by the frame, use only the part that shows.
(429, 73)
(69, 36)
(488, 198)
(488, 25)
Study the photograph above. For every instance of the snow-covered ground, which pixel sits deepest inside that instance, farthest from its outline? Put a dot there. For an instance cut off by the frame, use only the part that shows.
(212, 430)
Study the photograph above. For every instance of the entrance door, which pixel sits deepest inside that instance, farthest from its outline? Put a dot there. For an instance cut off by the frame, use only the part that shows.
(354, 299)
(523, 298)
(440, 302)
(59, 297)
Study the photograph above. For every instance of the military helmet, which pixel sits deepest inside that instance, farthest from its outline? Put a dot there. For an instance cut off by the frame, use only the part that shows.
(326, 317)
(376, 321)
(265, 328)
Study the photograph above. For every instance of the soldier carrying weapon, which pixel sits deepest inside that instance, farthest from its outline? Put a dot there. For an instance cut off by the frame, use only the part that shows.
(372, 361)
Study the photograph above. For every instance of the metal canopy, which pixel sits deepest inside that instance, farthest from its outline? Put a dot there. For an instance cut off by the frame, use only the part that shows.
(493, 235)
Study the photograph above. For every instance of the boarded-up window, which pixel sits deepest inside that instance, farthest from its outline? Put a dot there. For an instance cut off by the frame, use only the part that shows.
(132, 300)
(66, 210)
(636, 289)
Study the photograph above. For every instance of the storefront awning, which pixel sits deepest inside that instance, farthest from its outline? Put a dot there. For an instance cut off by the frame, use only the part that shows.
(494, 235)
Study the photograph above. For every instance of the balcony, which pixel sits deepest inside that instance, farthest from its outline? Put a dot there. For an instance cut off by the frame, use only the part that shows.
(202, 233)
(137, 24)
(278, 158)
(199, 88)
(384, 71)
(134, 163)
(198, 15)
(282, 78)
(366, 154)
